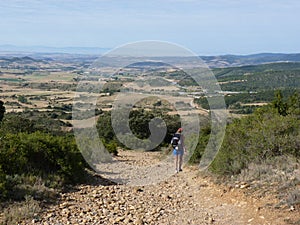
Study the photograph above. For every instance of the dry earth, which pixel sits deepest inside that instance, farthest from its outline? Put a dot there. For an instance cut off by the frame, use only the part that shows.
(183, 198)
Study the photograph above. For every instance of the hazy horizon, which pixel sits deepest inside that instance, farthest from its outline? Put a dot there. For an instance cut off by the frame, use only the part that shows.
(92, 50)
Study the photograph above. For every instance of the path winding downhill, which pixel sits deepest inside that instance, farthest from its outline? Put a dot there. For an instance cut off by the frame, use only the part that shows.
(184, 198)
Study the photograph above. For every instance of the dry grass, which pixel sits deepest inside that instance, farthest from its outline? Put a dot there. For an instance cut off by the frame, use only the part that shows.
(279, 170)
(53, 76)
(279, 176)
(293, 198)
(28, 195)
(22, 211)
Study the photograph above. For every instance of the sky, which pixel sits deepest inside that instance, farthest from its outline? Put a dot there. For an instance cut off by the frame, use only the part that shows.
(206, 27)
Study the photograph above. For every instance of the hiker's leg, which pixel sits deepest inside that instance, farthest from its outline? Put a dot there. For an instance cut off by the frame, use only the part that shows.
(176, 162)
(180, 161)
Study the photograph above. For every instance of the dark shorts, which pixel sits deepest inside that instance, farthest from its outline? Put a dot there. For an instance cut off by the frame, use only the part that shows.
(177, 152)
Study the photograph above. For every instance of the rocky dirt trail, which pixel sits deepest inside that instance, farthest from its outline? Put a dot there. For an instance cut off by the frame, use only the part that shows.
(183, 198)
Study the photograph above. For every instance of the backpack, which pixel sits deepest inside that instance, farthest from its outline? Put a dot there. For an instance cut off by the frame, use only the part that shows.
(175, 140)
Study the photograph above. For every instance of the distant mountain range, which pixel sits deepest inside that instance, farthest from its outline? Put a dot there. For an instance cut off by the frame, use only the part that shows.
(46, 49)
(44, 52)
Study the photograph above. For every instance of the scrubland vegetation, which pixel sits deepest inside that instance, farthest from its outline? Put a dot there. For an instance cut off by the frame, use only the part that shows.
(261, 149)
(31, 151)
(38, 158)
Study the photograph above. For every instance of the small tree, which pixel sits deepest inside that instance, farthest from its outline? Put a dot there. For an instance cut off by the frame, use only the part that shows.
(2, 110)
(22, 99)
(279, 104)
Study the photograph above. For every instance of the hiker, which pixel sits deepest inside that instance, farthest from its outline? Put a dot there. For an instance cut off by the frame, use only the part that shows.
(178, 149)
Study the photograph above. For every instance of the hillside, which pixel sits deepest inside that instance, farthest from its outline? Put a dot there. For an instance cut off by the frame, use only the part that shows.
(75, 54)
(184, 198)
(254, 59)
(248, 87)
(44, 177)
(259, 77)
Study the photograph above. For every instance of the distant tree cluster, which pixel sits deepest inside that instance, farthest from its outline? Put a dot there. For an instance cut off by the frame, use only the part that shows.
(139, 124)
(235, 101)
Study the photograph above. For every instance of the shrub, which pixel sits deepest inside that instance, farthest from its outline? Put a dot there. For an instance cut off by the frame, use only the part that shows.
(3, 185)
(42, 154)
(27, 123)
(202, 143)
(261, 136)
(111, 147)
(2, 110)
(22, 99)
(32, 162)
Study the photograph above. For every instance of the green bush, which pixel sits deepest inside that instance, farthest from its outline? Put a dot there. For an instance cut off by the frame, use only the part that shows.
(43, 155)
(22, 99)
(35, 158)
(258, 137)
(111, 147)
(269, 132)
(3, 185)
(202, 143)
(29, 122)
